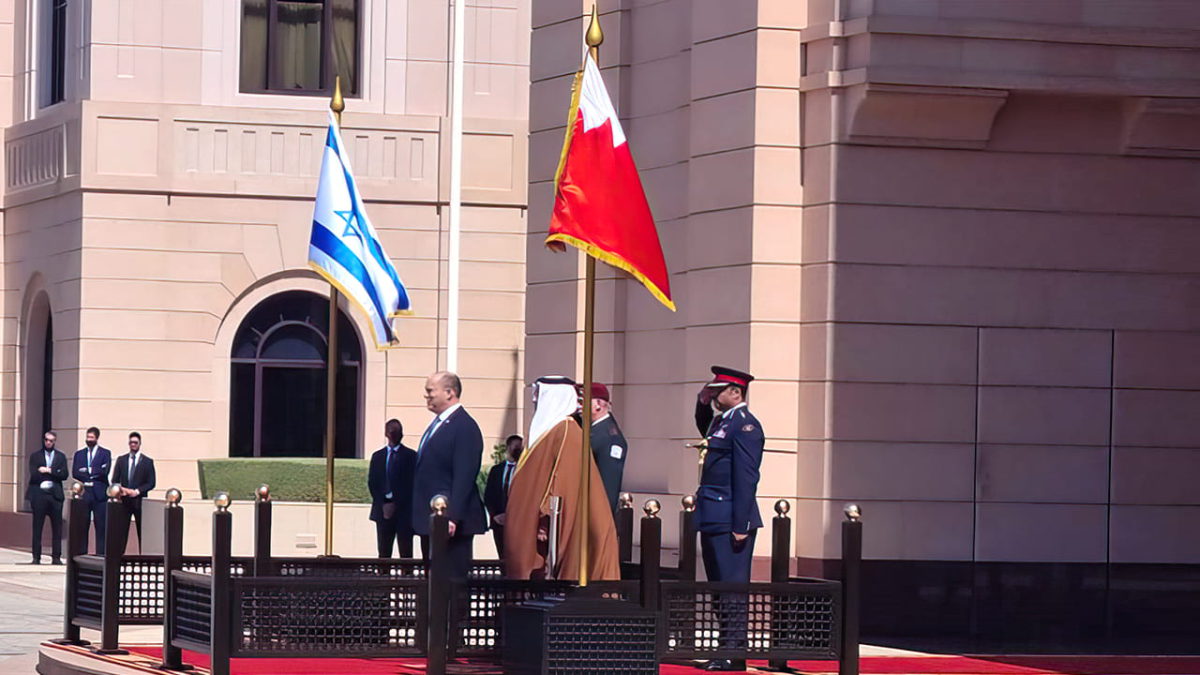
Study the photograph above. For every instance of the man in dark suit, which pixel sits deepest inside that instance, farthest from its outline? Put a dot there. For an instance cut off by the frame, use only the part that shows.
(495, 493)
(134, 472)
(90, 466)
(47, 471)
(448, 459)
(727, 514)
(390, 481)
(609, 446)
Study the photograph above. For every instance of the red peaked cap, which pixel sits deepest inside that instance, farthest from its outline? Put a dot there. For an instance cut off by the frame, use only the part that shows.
(599, 391)
(723, 377)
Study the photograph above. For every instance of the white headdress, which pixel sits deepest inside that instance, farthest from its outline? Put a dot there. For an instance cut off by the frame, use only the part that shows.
(556, 400)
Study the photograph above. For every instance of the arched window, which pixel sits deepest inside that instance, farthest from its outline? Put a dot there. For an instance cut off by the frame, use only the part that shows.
(277, 380)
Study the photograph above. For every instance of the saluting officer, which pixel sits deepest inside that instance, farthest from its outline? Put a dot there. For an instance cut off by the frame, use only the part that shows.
(727, 514)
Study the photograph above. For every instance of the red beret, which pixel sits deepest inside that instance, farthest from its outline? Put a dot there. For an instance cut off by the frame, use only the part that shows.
(600, 391)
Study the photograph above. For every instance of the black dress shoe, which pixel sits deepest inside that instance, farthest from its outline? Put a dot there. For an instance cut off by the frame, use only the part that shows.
(57, 561)
(725, 665)
(35, 562)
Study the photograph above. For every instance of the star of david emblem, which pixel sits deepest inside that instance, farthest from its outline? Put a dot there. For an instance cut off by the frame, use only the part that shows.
(353, 228)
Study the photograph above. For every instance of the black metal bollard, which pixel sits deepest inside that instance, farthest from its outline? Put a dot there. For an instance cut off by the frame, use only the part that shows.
(172, 657)
(439, 586)
(262, 531)
(76, 545)
(221, 624)
(686, 639)
(781, 545)
(687, 539)
(851, 588)
(651, 554)
(625, 528)
(115, 539)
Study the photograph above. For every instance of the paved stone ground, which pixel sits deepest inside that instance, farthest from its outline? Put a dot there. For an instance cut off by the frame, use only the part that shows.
(30, 609)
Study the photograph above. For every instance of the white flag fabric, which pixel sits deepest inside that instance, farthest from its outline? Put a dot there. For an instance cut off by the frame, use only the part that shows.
(344, 248)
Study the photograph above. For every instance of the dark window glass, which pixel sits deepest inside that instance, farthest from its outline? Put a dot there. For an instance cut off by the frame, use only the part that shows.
(299, 46)
(56, 54)
(277, 380)
(254, 45)
(295, 342)
(241, 410)
(293, 412)
(344, 44)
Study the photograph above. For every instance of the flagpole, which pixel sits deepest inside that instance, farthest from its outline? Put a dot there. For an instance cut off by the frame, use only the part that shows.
(337, 104)
(594, 38)
(456, 143)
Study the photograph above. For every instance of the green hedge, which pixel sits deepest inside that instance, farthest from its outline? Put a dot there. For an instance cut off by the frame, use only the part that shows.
(292, 479)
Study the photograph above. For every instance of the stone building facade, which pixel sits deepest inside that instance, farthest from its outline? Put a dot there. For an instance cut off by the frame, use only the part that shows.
(957, 244)
(955, 240)
(156, 193)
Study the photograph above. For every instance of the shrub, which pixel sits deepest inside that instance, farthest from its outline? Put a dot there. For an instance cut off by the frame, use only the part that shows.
(292, 479)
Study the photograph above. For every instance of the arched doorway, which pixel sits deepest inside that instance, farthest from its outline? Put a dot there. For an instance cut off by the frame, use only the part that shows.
(37, 407)
(277, 380)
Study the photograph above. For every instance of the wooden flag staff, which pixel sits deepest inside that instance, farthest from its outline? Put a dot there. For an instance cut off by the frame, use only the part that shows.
(337, 104)
(594, 38)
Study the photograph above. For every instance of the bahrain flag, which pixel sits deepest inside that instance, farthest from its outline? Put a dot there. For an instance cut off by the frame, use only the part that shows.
(599, 204)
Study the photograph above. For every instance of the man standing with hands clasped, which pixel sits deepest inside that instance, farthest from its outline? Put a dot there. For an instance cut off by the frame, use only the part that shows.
(47, 471)
(390, 481)
(727, 514)
(448, 459)
(90, 466)
(134, 472)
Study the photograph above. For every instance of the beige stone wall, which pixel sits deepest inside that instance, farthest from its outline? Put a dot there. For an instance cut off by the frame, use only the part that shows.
(1005, 236)
(710, 106)
(954, 241)
(158, 205)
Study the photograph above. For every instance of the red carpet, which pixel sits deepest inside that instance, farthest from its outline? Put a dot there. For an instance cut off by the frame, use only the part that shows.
(143, 656)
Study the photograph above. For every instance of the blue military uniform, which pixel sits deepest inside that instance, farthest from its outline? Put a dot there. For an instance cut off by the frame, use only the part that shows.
(726, 505)
(725, 502)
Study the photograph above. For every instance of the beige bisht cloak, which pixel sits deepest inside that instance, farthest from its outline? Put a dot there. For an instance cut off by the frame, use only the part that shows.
(551, 467)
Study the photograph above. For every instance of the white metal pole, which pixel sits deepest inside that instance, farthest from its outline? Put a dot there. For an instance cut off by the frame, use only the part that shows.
(456, 138)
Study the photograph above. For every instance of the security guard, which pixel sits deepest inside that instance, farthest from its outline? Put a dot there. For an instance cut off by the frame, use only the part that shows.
(609, 447)
(727, 514)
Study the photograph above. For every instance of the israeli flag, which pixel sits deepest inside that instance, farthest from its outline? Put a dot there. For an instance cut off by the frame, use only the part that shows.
(345, 249)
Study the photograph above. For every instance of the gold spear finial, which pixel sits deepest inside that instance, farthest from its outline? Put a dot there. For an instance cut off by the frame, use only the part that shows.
(337, 104)
(595, 36)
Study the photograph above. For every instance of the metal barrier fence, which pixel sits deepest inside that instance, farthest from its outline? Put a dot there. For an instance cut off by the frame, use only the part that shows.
(714, 620)
(478, 630)
(192, 597)
(264, 606)
(332, 616)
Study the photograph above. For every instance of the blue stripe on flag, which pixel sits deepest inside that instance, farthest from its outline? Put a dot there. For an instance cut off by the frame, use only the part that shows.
(372, 243)
(333, 247)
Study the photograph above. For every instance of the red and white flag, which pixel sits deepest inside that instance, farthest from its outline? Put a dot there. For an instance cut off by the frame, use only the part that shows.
(599, 204)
